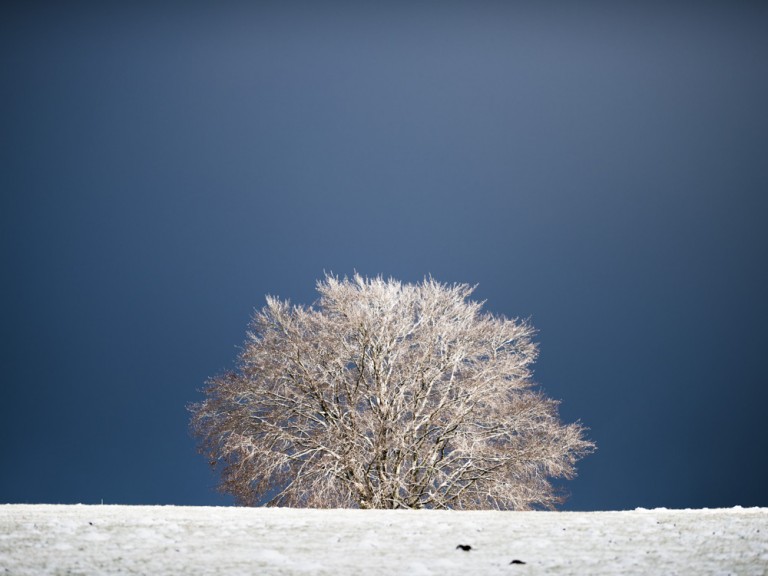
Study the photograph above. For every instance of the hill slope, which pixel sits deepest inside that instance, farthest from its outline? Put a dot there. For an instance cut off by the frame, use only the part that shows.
(51, 539)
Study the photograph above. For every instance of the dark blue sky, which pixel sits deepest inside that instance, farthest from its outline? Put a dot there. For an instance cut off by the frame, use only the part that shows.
(600, 169)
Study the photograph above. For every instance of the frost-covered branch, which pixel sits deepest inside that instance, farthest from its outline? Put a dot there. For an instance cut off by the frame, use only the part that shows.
(386, 395)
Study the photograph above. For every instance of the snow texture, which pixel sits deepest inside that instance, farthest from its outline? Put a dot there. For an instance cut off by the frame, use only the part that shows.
(84, 540)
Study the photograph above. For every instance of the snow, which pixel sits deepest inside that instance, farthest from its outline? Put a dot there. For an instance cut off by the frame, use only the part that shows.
(85, 540)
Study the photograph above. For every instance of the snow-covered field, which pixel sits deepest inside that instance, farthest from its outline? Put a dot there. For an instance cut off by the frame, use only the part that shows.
(155, 540)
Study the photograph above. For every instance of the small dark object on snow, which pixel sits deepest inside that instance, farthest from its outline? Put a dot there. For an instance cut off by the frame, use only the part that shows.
(517, 562)
(465, 547)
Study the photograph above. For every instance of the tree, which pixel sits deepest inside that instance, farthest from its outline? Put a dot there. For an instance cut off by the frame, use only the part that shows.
(386, 395)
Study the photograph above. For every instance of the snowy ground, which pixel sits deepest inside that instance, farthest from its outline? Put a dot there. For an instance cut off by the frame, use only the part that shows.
(47, 539)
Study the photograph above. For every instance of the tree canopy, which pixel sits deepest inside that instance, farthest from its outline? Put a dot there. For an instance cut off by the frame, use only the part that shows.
(386, 395)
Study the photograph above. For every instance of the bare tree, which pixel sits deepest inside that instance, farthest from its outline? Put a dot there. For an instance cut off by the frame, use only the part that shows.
(386, 395)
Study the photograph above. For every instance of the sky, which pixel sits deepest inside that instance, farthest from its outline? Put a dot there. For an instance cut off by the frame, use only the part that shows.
(600, 168)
